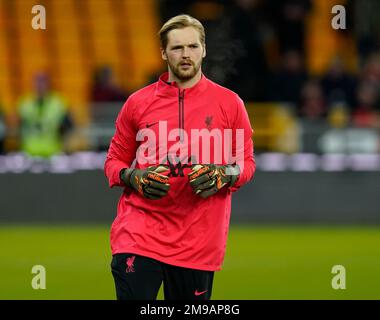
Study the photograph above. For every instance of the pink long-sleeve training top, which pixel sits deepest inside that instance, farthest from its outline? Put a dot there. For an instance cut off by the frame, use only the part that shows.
(162, 123)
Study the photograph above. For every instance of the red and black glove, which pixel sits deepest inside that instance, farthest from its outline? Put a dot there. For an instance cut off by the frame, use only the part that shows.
(149, 182)
(208, 179)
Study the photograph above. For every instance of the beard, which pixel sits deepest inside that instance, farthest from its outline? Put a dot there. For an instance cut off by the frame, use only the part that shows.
(185, 74)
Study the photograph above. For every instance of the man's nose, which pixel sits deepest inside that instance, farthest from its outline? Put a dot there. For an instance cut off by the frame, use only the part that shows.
(185, 52)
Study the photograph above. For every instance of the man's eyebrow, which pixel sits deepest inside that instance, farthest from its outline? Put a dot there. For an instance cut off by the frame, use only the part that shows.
(181, 45)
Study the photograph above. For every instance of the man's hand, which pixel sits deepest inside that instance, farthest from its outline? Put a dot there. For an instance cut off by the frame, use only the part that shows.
(208, 179)
(147, 182)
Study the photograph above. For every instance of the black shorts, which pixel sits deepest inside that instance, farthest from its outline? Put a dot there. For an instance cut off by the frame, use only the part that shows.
(140, 278)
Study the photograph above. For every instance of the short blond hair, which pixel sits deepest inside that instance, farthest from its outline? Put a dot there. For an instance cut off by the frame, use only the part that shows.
(179, 22)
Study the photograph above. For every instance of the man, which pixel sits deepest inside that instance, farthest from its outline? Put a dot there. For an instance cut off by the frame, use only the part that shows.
(173, 215)
(44, 120)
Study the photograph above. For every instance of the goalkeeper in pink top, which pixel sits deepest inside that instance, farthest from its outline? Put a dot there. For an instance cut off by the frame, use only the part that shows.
(182, 146)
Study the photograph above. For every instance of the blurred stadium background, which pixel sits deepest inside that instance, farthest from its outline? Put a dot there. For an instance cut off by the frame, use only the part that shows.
(312, 94)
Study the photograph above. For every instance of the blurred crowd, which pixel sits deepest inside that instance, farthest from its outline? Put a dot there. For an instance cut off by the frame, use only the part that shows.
(256, 48)
(267, 63)
(43, 125)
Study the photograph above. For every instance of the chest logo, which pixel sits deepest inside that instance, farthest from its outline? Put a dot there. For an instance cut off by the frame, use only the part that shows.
(208, 122)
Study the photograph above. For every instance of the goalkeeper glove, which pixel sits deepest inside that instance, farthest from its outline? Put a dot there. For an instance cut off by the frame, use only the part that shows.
(147, 182)
(207, 180)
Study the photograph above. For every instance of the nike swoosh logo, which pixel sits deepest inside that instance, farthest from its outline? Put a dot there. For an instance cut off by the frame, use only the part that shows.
(197, 293)
(151, 124)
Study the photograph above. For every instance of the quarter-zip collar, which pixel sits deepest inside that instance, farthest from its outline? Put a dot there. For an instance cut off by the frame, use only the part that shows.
(164, 88)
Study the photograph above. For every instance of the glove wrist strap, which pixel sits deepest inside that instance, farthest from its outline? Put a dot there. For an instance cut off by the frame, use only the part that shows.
(125, 176)
(233, 172)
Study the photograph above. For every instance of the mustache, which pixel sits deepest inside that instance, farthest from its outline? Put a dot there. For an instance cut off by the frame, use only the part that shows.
(186, 61)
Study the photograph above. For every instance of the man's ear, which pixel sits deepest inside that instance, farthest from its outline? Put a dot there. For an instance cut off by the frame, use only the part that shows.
(204, 51)
(163, 54)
